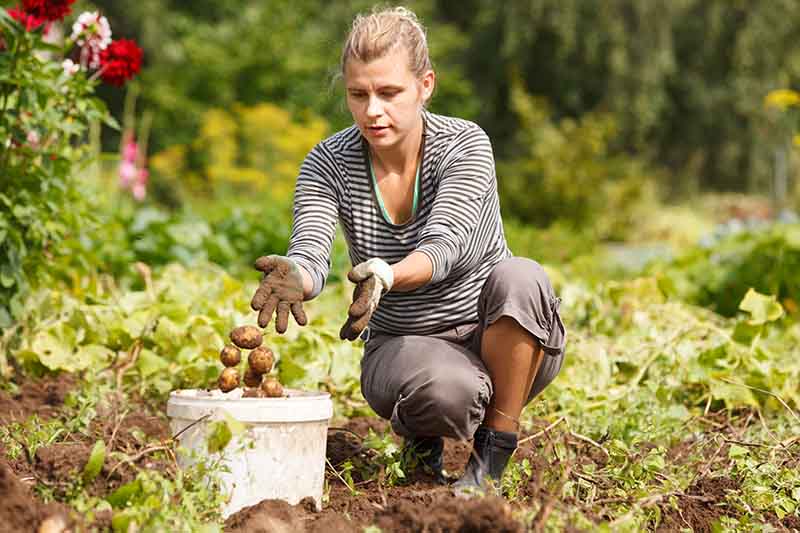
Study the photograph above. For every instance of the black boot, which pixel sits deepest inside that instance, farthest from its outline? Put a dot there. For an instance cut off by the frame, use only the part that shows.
(490, 454)
(428, 453)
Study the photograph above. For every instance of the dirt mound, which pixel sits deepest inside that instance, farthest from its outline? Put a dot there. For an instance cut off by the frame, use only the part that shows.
(276, 516)
(341, 446)
(700, 507)
(42, 398)
(450, 514)
(62, 460)
(20, 511)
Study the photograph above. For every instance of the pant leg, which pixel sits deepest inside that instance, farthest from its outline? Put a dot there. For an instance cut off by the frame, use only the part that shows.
(425, 385)
(519, 287)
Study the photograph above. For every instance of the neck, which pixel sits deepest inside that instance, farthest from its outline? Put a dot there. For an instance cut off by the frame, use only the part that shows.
(402, 157)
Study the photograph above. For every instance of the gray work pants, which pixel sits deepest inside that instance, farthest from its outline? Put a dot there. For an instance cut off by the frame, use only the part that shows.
(429, 385)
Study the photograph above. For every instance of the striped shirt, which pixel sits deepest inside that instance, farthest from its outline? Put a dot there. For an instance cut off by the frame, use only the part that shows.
(457, 222)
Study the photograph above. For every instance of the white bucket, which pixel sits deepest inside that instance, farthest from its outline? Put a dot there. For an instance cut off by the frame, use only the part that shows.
(280, 454)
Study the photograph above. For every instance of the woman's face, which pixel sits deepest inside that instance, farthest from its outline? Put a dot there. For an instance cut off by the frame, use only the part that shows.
(385, 97)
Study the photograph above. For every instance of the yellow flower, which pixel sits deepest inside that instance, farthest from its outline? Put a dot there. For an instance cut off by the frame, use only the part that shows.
(797, 140)
(782, 98)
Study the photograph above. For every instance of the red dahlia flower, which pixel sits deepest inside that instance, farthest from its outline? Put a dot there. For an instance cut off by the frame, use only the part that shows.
(48, 9)
(31, 22)
(120, 61)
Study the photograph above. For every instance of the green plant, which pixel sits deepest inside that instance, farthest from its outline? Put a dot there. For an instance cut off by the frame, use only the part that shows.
(44, 114)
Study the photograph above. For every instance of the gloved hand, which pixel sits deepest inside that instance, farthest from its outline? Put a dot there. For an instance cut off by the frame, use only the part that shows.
(281, 288)
(372, 279)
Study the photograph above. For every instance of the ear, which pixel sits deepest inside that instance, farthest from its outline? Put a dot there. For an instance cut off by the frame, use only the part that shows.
(428, 83)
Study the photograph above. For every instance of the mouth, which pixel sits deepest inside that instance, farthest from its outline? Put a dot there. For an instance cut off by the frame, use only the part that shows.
(377, 128)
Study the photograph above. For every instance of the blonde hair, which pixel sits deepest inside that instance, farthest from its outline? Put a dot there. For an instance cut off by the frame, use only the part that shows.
(378, 33)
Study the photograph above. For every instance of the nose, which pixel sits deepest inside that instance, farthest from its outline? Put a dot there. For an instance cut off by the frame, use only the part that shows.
(374, 107)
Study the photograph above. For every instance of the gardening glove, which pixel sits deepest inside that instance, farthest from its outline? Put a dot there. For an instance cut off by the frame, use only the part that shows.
(281, 289)
(372, 279)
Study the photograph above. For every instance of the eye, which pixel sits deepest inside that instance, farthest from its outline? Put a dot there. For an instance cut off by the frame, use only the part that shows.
(357, 94)
(390, 93)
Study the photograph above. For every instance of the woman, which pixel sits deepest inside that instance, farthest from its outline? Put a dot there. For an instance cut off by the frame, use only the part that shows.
(459, 334)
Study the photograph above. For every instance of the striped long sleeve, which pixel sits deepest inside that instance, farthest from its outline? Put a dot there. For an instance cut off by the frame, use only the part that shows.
(466, 179)
(457, 222)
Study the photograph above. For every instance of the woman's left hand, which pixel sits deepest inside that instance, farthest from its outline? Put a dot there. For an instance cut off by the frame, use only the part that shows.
(372, 279)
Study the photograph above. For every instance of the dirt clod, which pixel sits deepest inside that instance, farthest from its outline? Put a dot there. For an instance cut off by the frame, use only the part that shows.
(20, 511)
(448, 513)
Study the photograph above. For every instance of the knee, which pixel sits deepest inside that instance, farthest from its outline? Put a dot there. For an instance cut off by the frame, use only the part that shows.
(449, 403)
(515, 275)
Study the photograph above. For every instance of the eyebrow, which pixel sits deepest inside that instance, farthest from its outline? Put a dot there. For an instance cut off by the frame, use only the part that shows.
(389, 87)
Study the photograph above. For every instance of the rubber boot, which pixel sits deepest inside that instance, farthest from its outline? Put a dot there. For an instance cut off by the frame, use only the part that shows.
(428, 451)
(490, 454)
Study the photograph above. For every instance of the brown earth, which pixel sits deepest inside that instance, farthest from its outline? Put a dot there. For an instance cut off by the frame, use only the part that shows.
(418, 505)
(43, 398)
(57, 465)
(21, 511)
(702, 504)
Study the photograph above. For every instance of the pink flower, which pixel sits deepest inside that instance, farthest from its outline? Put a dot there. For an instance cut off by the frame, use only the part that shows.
(130, 152)
(70, 67)
(93, 34)
(127, 174)
(131, 176)
(33, 139)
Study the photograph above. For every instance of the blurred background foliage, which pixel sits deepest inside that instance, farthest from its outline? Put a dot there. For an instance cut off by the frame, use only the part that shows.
(680, 82)
(624, 131)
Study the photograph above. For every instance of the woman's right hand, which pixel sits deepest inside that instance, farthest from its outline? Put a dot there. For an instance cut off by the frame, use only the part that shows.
(281, 289)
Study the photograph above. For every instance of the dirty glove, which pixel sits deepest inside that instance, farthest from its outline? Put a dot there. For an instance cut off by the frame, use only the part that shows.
(372, 279)
(281, 289)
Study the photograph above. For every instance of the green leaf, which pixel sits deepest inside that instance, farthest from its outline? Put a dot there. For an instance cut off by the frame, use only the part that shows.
(219, 436)
(95, 462)
(54, 353)
(149, 363)
(762, 308)
(120, 497)
(121, 522)
(236, 427)
(737, 451)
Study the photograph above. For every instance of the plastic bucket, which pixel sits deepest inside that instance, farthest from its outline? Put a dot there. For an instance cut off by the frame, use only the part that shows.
(279, 455)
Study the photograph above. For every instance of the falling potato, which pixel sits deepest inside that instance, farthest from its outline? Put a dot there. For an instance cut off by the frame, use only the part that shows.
(271, 387)
(230, 355)
(260, 360)
(252, 379)
(247, 337)
(228, 380)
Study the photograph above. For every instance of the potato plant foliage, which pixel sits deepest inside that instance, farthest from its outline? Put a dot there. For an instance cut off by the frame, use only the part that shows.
(643, 374)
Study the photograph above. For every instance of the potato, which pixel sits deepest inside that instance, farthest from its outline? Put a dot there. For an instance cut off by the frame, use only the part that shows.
(271, 387)
(260, 360)
(253, 393)
(228, 379)
(230, 355)
(248, 337)
(252, 379)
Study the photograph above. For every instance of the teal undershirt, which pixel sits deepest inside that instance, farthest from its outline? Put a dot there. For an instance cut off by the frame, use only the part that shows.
(380, 200)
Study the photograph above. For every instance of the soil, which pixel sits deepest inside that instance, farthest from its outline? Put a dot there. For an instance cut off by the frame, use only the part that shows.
(56, 465)
(700, 506)
(419, 505)
(42, 398)
(21, 511)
